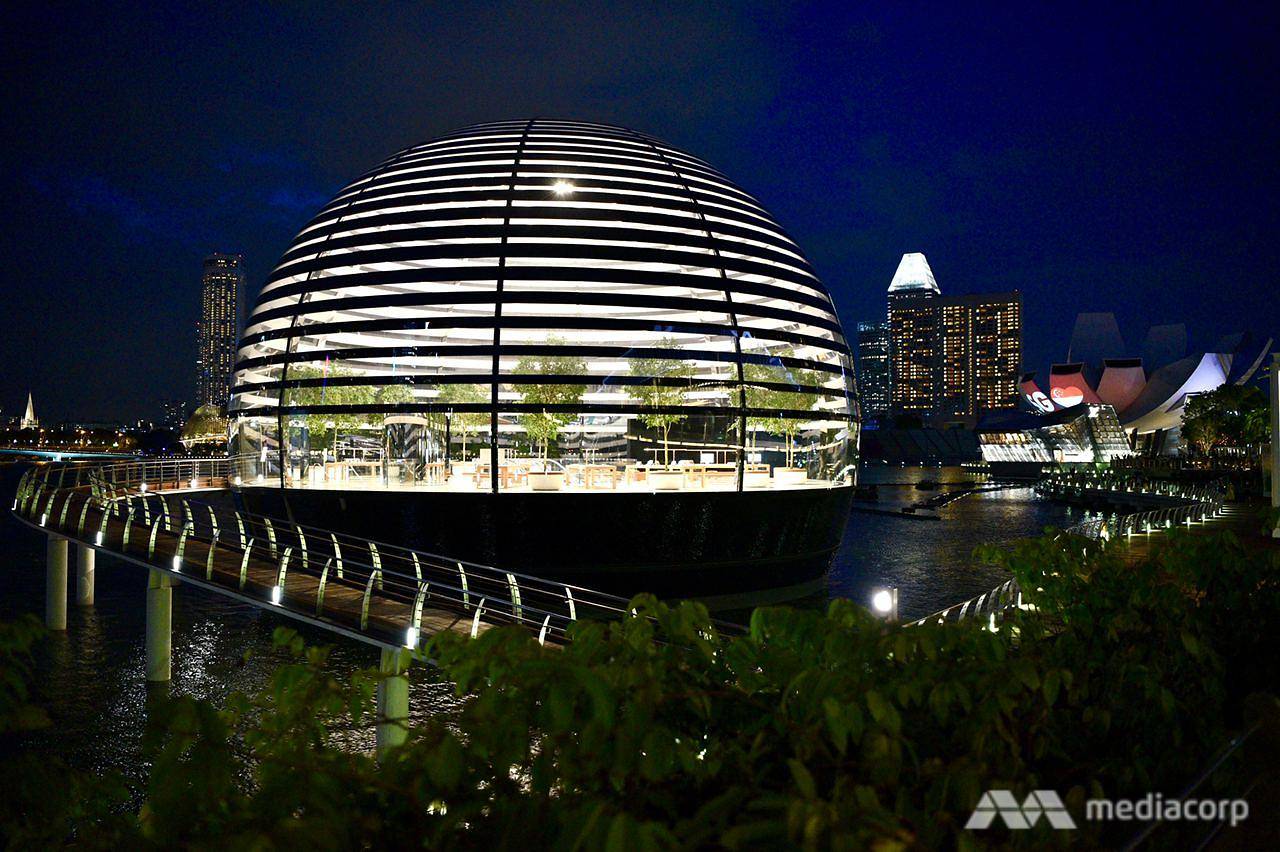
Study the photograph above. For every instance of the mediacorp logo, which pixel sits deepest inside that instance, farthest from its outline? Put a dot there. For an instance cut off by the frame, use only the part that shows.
(1001, 803)
(1153, 807)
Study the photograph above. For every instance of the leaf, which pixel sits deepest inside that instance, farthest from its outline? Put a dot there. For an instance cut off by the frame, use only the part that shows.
(804, 781)
(1052, 680)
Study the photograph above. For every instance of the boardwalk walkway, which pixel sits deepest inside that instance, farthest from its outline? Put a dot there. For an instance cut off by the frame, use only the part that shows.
(374, 592)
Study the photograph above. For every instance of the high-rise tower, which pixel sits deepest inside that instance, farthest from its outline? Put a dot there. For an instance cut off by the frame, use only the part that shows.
(953, 357)
(873, 370)
(219, 328)
(913, 336)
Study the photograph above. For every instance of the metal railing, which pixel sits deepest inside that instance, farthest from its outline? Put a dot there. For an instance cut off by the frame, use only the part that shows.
(1207, 504)
(1078, 483)
(384, 593)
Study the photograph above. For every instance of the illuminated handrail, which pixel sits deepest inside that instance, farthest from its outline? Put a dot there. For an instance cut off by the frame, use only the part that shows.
(153, 500)
(1104, 529)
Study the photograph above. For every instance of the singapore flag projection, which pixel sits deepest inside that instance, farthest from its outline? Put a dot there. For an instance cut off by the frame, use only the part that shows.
(1067, 396)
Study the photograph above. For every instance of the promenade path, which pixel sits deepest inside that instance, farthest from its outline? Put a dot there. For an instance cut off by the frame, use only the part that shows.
(1243, 519)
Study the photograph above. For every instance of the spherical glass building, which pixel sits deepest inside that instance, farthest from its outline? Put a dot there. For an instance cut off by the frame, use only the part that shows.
(541, 310)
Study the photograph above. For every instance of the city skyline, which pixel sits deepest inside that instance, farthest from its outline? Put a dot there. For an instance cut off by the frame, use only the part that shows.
(1030, 152)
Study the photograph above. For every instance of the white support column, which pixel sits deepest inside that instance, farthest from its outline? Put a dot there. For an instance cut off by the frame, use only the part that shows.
(393, 701)
(1275, 437)
(159, 626)
(55, 584)
(84, 576)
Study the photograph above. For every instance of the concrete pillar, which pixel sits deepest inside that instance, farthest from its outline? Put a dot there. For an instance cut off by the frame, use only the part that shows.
(84, 576)
(159, 626)
(1275, 438)
(55, 584)
(393, 701)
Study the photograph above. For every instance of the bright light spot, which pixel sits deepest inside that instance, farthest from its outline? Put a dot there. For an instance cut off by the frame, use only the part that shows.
(562, 188)
(193, 482)
(44, 518)
(98, 539)
(411, 637)
(882, 601)
(275, 595)
(238, 480)
(177, 564)
(142, 487)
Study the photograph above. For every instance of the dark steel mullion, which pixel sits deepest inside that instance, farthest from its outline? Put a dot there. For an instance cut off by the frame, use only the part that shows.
(579, 230)
(566, 408)
(775, 238)
(737, 333)
(497, 312)
(571, 251)
(291, 346)
(606, 298)
(628, 352)
(380, 326)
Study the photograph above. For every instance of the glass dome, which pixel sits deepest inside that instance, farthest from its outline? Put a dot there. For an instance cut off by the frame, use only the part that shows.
(544, 305)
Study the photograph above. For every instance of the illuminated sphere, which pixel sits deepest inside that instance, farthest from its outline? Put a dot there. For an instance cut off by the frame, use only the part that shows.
(467, 274)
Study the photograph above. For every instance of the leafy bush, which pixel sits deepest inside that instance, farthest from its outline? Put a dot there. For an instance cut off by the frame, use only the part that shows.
(813, 729)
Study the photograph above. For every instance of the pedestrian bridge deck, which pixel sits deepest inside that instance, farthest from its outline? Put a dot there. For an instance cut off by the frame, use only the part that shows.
(377, 593)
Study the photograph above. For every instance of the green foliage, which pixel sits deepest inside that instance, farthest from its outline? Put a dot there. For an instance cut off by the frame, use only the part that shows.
(758, 397)
(1230, 416)
(466, 422)
(542, 427)
(393, 395)
(814, 729)
(658, 395)
(324, 429)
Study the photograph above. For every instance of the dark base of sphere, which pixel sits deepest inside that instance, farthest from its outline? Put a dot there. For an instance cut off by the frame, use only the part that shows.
(730, 549)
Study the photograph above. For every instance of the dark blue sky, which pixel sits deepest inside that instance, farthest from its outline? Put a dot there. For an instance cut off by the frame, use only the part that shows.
(1095, 158)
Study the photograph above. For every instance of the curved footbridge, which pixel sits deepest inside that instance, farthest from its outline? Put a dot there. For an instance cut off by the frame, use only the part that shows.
(175, 517)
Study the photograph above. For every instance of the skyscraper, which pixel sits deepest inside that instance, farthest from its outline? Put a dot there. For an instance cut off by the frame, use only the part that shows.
(873, 370)
(913, 336)
(218, 328)
(953, 357)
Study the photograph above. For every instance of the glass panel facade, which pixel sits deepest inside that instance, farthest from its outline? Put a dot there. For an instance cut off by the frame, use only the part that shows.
(541, 300)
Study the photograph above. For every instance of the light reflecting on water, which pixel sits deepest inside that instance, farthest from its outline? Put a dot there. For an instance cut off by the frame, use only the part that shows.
(95, 690)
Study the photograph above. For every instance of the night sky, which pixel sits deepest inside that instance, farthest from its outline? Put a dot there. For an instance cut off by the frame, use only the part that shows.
(1094, 158)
